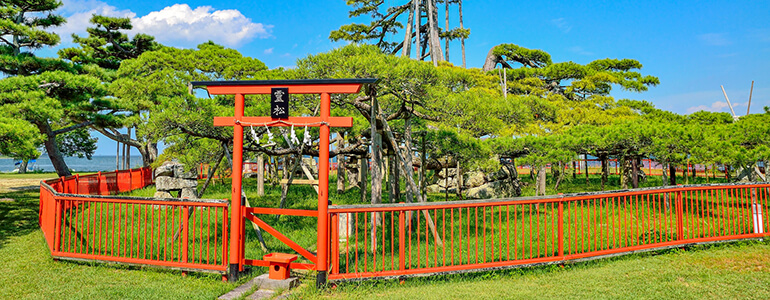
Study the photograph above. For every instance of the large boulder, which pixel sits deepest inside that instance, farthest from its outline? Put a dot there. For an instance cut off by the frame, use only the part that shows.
(473, 179)
(496, 189)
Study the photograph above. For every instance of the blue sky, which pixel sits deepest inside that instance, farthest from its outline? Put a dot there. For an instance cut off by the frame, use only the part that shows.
(692, 46)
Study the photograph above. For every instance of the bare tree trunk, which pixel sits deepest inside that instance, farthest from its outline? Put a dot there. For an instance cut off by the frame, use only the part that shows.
(409, 160)
(376, 196)
(462, 40)
(406, 50)
(418, 23)
(392, 178)
(446, 26)
(433, 39)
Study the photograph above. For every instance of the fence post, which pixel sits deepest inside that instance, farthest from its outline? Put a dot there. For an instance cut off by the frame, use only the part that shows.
(63, 187)
(77, 184)
(401, 241)
(57, 227)
(679, 216)
(185, 232)
(561, 228)
(335, 244)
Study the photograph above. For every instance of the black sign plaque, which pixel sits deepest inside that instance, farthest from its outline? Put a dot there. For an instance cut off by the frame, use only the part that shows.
(279, 103)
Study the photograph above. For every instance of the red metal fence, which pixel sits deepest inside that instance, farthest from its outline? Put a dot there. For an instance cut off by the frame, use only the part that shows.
(443, 237)
(79, 223)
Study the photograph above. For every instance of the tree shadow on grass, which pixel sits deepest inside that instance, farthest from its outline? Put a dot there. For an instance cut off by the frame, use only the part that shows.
(18, 214)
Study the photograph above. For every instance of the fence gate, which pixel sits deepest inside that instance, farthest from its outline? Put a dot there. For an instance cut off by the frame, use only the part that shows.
(279, 91)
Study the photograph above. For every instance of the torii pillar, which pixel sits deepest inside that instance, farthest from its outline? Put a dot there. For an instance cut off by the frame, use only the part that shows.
(324, 87)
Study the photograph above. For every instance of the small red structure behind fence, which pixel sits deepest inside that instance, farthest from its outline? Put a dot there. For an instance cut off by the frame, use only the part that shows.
(80, 221)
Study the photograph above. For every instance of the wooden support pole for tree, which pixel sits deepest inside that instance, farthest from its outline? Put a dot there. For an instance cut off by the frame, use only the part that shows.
(260, 175)
(362, 176)
(423, 164)
(341, 165)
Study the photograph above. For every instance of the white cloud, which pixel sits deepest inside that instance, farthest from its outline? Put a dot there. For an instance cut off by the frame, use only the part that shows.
(580, 50)
(562, 24)
(180, 24)
(78, 12)
(718, 106)
(177, 25)
(715, 39)
(268, 51)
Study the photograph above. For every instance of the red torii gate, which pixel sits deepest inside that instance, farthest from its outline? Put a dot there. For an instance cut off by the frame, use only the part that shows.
(325, 87)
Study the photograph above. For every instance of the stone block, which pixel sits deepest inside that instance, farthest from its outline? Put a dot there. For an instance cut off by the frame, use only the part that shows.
(189, 193)
(345, 226)
(164, 183)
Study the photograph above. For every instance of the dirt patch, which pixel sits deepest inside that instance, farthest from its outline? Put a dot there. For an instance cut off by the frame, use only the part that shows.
(13, 185)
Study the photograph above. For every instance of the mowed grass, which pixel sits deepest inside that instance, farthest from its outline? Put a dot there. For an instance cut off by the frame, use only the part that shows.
(736, 271)
(29, 272)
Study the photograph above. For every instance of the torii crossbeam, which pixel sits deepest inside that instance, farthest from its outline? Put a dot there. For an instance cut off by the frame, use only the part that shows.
(325, 87)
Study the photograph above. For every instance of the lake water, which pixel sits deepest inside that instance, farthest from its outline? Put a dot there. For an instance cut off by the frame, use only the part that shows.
(97, 163)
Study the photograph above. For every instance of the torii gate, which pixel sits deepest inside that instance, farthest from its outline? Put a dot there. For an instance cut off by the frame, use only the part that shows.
(325, 87)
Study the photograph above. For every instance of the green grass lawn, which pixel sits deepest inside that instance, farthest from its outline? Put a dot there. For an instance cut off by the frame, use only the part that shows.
(27, 270)
(718, 271)
(737, 271)
(28, 176)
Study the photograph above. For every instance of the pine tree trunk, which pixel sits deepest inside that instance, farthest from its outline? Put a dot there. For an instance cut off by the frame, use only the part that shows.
(462, 40)
(23, 166)
(672, 174)
(446, 28)
(57, 160)
(409, 159)
(459, 179)
(605, 169)
(406, 50)
(417, 35)
(433, 39)
(541, 181)
(376, 196)
(341, 167)
(362, 177)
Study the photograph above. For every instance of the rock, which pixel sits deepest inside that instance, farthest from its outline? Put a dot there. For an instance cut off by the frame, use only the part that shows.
(496, 189)
(451, 172)
(166, 169)
(482, 192)
(473, 179)
(451, 182)
(193, 174)
(164, 183)
(162, 194)
(433, 189)
(189, 193)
